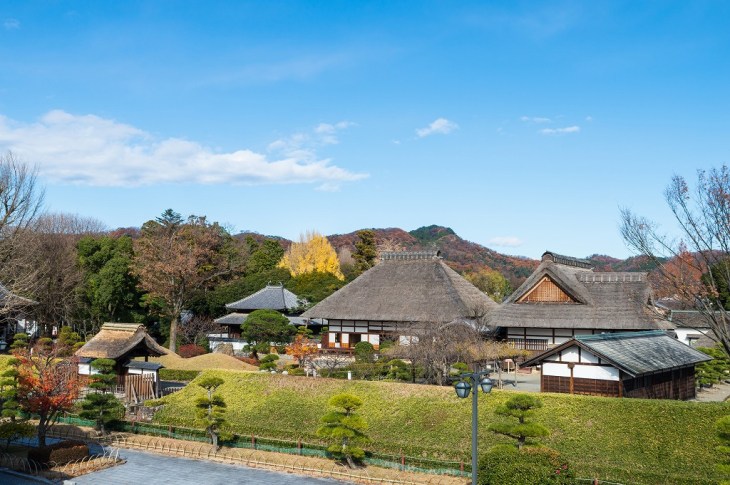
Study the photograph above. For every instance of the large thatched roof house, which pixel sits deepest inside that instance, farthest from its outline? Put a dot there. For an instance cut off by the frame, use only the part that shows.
(564, 298)
(648, 364)
(405, 290)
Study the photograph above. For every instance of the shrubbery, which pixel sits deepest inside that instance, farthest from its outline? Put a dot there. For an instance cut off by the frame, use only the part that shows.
(507, 465)
(268, 362)
(59, 453)
(191, 350)
(716, 370)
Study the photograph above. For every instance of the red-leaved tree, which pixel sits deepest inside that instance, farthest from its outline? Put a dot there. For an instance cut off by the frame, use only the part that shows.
(47, 385)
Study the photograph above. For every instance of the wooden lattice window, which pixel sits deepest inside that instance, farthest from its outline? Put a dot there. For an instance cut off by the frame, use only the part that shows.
(546, 291)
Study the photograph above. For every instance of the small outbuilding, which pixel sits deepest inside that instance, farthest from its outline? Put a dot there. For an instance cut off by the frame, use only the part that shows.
(123, 342)
(649, 364)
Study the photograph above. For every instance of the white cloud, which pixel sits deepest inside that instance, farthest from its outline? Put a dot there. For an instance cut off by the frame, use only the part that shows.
(535, 119)
(91, 150)
(328, 132)
(441, 126)
(11, 24)
(560, 131)
(505, 241)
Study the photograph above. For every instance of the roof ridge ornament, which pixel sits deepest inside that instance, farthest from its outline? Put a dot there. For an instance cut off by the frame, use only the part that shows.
(566, 260)
(410, 255)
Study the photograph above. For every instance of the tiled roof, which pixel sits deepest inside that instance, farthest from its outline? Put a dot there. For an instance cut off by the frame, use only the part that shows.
(272, 297)
(636, 353)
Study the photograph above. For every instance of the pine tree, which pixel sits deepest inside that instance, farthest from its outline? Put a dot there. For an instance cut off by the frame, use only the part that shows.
(365, 251)
(345, 429)
(12, 424)
(211, 409)
(102, 405)
(520, 407)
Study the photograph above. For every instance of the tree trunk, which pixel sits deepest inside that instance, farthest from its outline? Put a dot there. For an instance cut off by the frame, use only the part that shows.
(214, 435)
(173, 332)
(42, 423)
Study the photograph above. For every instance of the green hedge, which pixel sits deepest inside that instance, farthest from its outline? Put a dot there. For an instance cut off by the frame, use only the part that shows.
(634, 441)
(178, 375)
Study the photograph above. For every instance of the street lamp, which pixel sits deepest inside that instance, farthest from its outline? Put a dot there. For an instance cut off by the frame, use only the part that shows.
(463, 388)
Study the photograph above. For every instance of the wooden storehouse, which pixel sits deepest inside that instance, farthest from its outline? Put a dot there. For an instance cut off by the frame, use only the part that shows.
(123, 342)
(648, 364)
(564, 298)
(405, 291)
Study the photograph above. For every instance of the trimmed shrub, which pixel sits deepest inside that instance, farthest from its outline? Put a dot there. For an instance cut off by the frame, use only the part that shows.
(59, 453)
(178, 375)
(531, 465)
(268, 362)
(191, 350)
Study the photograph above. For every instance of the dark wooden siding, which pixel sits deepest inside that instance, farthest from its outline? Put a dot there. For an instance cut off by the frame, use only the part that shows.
(674, 384)
(590, 387)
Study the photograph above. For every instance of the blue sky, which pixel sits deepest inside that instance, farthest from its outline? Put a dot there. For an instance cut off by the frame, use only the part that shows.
(524, 126)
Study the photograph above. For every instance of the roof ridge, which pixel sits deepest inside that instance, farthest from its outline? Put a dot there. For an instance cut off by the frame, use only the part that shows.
(620, 335)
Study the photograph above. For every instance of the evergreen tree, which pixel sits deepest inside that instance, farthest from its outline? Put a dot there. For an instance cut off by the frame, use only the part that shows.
(264, 327)
(265, 257)
(520, 407)
(365, 251)
(12, 424)
(101, 405)
(21, 341)
(345, 429)
(211, 409)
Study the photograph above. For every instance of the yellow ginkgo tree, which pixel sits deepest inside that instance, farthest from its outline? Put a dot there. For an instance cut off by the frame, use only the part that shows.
(312, 254)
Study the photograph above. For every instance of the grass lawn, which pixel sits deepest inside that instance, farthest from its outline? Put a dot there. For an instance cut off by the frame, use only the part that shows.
(626, 440)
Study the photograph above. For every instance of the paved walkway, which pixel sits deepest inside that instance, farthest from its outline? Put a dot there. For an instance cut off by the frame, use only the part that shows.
(153, 469)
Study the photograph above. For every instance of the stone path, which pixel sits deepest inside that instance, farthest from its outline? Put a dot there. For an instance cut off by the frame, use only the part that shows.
(147, 468)
(718, 392)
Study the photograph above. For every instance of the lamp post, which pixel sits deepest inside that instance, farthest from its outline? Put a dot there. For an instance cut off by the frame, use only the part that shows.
(463, 388)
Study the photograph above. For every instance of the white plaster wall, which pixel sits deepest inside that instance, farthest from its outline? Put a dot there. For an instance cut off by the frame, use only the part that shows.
(596, 372)
(570, 354)
(555, 369)
(374, 339)
(683, 334)
(588, 357)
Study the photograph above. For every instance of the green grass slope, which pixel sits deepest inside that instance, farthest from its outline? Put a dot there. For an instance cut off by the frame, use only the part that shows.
(632, 441)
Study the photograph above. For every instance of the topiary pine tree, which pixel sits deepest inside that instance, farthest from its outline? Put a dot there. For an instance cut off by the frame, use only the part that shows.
(102, 405)
(344, 429)
(12, 424)
(520, 407)
(211, 409)
(20, 341)
(365, 251)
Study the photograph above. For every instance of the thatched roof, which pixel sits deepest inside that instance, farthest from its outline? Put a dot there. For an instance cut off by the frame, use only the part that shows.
(600, 300)
(405, 287)
(272, 297)
(118, 340)
(636, 353)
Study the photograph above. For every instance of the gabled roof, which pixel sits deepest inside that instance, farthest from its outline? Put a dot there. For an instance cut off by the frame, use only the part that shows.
(601, 300)
(234, 318)
(405, 287)
(635, 353)
(117, 340)
(140, 364)
(10, 299)
(271, 297)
